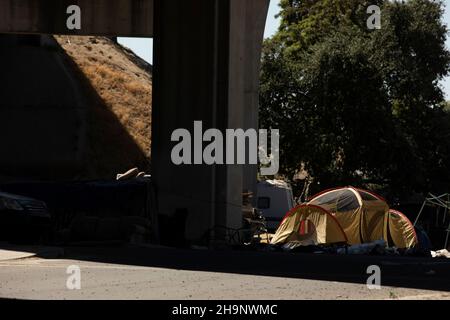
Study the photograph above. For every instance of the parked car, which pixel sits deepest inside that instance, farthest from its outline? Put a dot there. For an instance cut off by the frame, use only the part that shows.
(23, 219)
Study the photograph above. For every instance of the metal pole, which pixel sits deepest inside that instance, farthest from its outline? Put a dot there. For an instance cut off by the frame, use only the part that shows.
(446, 239)
(420, 212)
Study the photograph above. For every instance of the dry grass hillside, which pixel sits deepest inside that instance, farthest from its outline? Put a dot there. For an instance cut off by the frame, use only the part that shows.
(120, 78)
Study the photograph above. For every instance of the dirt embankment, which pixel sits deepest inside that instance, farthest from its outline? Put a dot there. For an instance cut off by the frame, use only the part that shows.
(72, 108)
(120, 78)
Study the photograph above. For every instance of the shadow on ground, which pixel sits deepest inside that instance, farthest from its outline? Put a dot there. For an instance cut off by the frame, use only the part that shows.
(418, 273)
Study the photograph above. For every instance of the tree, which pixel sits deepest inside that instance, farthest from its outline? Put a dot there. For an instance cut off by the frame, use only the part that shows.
(306, 22)
(357, 106)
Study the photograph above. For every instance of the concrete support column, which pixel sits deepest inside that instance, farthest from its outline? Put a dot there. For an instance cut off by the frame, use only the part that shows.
(206, 58)
(254, 33)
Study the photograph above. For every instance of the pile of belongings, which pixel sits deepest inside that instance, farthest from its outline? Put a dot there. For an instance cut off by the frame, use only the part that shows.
(347, 217)
(254, 224)
(131, 174)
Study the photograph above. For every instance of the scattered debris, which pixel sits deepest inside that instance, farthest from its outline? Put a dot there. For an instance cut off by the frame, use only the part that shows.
(444, 253)
(131, 174)
(375, 247)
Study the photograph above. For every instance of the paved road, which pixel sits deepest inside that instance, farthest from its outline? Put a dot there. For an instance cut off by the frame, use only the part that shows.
(37, 278)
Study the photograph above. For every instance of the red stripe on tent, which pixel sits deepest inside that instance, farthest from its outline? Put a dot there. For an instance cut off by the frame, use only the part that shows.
(292, 211)
(302, 228)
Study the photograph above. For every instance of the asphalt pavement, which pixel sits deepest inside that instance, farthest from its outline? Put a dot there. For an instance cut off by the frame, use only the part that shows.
(131, 272)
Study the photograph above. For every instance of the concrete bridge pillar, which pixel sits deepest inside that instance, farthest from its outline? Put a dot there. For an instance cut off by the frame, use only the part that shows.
(206, 68)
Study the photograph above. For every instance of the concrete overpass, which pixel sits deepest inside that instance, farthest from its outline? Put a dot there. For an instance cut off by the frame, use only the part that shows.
(206, 67)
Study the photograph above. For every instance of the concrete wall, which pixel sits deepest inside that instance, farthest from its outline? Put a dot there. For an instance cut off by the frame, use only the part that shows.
(211, 77)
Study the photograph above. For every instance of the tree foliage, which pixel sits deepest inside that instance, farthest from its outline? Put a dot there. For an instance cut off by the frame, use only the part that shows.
(360, 106)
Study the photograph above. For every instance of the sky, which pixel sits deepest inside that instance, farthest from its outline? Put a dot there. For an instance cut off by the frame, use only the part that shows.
(143, 47)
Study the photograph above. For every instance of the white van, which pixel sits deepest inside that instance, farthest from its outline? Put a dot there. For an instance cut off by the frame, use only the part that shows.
(274, 201)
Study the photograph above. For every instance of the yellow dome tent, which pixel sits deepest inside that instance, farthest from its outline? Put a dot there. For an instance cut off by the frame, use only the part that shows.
(362, 214)
(309, 225)
(346, 215)
(365, 217)
(401, 230)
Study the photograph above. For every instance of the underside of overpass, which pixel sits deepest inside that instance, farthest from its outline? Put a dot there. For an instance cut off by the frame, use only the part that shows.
(206, 68)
